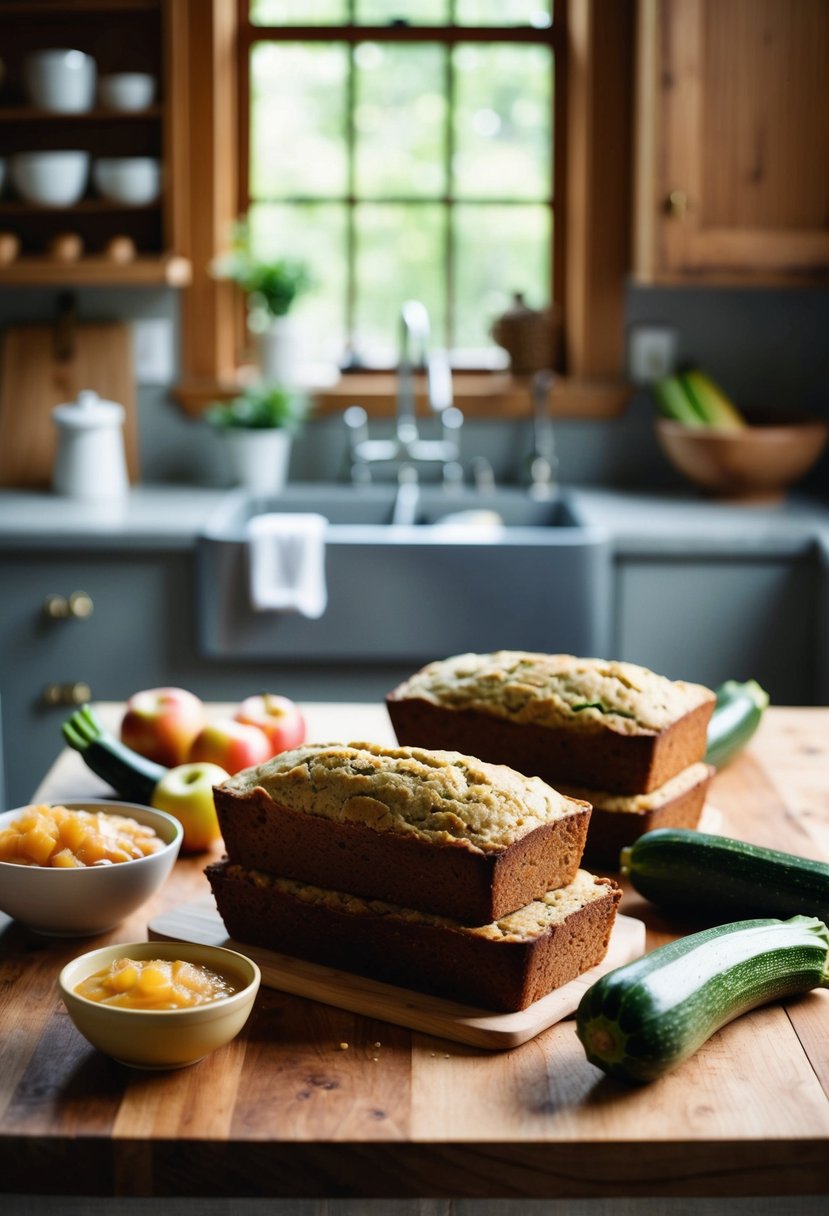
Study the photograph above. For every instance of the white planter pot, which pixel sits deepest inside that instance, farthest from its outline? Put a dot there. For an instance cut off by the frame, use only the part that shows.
(277, 352)
(258, 459)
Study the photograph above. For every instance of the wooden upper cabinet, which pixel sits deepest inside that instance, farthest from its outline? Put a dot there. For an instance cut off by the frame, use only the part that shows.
(732, 130)
(96, 240)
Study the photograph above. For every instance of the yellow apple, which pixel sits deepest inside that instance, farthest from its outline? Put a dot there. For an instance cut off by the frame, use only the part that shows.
(186, 792)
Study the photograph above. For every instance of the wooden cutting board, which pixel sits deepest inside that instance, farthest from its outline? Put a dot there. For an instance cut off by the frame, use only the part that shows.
(200, 922)
(33, 380)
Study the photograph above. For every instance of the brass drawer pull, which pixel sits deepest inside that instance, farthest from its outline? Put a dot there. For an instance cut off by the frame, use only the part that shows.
(77, 693)
(80, 605)
(59, 608)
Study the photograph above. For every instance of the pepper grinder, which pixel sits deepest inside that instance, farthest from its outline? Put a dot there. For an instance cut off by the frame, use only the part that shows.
(90, 462)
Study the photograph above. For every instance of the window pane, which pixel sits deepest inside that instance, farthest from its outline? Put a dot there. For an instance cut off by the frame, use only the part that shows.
(502, 122)
(298, 99)
(500, 250)
(298, 12)
(399, 120)
(537, 13)
(314, 232)
(410, 12)
(400, 256)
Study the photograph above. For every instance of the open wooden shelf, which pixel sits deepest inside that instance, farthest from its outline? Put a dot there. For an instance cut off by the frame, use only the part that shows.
(15, 114)
(168, 270)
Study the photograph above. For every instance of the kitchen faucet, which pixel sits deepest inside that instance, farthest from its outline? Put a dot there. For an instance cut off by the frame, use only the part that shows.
(407, 448)
(543, 460)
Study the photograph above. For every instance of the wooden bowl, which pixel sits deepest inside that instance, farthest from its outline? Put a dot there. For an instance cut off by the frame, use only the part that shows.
(757, 464)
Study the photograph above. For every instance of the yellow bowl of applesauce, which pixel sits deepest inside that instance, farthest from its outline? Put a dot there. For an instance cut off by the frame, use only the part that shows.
(133, 1000)
(80, 867)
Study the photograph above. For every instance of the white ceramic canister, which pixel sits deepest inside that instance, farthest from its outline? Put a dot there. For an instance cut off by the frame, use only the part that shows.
(90, 463)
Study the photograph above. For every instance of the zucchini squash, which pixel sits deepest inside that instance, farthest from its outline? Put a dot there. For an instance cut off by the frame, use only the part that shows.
(705, 876)
(737, 714)
(645, 1018)
(132, 776)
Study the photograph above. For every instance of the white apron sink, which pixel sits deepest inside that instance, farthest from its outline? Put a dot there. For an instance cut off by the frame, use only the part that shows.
(534, 578)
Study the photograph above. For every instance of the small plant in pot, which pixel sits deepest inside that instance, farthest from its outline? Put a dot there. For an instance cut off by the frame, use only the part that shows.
(257, 428)
(272, 286)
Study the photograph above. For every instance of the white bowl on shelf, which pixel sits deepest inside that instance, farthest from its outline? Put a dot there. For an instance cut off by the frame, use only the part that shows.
(50, 179)
(60, 79)
(133, 180)
(127, 91)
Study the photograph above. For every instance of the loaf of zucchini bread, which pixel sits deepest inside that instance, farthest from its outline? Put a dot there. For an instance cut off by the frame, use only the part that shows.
(617, 820)
(434, 830)
(504, 965)
(596, 723)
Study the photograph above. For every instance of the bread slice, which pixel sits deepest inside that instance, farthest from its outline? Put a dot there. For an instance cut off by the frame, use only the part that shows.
(592, 722)
(505, 965)
(438, 831)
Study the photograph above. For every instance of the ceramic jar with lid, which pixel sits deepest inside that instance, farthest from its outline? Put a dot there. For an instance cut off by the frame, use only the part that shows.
(90, 463)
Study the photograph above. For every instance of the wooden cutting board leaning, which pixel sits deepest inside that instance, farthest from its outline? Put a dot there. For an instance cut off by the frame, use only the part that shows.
(38, 372)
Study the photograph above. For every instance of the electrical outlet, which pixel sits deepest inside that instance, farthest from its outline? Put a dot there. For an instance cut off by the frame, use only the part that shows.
(152, 341)
(651, 354)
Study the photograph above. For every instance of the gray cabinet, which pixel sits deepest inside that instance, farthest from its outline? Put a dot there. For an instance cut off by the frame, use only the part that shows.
(142, 633)
(709, 619)
(70, 630)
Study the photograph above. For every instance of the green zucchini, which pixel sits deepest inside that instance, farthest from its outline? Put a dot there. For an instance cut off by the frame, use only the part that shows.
(132, 776)
(736, 716)
(702, 875)
(643, 1019)
(674, 403)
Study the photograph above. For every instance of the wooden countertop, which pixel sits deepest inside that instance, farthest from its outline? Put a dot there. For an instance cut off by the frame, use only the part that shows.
(284, 1111)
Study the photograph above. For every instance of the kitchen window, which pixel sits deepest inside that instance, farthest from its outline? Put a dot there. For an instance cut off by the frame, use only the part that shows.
(515, 177)
(404, 149)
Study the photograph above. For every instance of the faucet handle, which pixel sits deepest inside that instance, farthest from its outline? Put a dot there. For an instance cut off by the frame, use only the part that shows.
(356, 419)
(451, 420)
(439, 378)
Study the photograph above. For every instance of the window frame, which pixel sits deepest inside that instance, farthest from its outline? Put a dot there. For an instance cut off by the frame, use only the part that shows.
(445, 36)
(591, 241)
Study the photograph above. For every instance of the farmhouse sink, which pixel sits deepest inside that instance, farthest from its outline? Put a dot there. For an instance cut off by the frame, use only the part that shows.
(414, 573)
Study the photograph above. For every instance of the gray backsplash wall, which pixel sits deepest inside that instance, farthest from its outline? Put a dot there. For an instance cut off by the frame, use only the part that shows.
(765, 347)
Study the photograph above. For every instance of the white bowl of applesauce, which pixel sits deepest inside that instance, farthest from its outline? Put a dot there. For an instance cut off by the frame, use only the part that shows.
(80, 867)
(159, 1004)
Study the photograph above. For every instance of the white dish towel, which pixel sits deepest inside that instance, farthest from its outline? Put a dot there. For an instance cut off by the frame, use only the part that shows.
(286, 555)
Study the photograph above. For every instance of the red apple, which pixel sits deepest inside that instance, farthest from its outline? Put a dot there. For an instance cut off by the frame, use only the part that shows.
(232, 745)
(277, 716)
(161, 723)
(186, 791)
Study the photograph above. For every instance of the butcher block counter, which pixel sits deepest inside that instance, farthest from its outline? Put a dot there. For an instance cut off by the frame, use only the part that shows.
(311, 1100)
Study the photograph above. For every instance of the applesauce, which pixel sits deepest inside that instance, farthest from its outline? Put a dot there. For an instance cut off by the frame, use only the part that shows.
(57, 837)
(155, 983)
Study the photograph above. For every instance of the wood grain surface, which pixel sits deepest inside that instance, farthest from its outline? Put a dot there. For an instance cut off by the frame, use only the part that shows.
(286, 1110)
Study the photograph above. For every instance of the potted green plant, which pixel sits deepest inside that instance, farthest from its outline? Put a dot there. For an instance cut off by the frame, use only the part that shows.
(272, 286)
(257, 428)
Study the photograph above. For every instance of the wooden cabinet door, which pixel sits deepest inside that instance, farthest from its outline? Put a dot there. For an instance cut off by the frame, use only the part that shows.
(733, 141)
